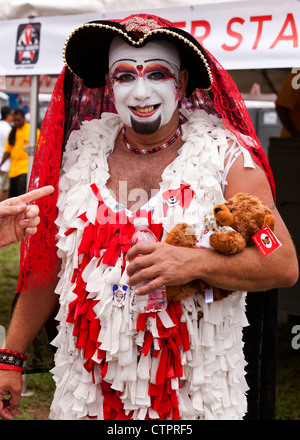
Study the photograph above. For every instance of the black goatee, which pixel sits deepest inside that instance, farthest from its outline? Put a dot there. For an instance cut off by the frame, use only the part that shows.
(145, 127)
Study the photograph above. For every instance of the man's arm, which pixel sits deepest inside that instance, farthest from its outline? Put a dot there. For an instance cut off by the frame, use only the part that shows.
(248, 270)
(32, 311)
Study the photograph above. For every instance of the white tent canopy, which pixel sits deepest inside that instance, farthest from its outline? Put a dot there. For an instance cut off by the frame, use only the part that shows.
(13, 9)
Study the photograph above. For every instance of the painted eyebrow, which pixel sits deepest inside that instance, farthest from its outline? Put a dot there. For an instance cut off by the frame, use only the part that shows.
(159, 59)
(123, 67)
(123, 59)
(155, 67)
(146, 61)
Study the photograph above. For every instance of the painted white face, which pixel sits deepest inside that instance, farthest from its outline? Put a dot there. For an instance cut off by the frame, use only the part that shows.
(145, 84)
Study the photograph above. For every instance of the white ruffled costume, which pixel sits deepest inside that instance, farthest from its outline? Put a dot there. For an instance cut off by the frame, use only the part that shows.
(212, 385)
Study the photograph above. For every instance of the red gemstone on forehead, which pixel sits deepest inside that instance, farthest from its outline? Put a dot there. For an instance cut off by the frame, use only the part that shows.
(140, 68)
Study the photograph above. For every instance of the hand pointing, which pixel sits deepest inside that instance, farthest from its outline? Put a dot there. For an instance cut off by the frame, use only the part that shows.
(17, 219)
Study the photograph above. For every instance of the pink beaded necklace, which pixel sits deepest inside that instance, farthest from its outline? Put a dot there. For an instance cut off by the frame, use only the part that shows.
(154, 150)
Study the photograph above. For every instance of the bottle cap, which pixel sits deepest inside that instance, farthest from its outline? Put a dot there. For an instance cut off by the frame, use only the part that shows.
(139, 221)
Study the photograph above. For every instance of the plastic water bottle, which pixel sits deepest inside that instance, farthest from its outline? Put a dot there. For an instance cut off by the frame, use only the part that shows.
(156, 300)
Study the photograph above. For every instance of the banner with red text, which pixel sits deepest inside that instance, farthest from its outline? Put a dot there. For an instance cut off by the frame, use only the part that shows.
(241, 35)
(22, 84)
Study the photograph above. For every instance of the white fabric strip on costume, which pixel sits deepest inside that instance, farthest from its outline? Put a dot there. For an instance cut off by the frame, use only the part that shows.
(213, 383)
(232, 154)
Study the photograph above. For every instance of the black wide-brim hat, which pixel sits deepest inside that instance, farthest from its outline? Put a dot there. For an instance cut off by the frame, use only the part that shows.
(86, 50)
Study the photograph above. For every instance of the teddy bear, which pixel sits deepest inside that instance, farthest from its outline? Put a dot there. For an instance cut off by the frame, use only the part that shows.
(232, 225)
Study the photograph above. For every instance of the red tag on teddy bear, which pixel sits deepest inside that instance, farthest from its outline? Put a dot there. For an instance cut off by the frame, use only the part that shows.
(266, 241)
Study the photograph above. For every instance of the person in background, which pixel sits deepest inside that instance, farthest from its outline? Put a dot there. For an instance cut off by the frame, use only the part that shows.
(14, 149)
(5, 128)
(288, 105)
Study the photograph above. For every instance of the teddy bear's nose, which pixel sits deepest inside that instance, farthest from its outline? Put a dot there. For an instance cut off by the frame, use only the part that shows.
(217, 210)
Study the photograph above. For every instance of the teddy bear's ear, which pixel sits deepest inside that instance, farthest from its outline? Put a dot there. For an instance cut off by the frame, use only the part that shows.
(270, 221)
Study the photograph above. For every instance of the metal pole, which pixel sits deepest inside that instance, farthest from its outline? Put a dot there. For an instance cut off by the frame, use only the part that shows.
(34, 111)
(25, 392)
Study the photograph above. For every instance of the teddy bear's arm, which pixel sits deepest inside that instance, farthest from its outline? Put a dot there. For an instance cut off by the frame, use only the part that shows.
(229, 242)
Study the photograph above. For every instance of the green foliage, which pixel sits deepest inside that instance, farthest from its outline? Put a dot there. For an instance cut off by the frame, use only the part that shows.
(36, 406)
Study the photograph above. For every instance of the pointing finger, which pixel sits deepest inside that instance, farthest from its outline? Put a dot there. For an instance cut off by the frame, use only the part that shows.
(36, 194)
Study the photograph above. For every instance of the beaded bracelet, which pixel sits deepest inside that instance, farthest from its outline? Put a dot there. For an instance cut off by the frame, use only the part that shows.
(11, 360)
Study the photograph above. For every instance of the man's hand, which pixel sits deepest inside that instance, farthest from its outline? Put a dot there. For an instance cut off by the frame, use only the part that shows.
(10, 393)
(163, 264)
(17, 219)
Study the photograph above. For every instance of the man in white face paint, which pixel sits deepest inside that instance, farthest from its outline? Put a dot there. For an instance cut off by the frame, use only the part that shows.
(112, 362)
(145, 84)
